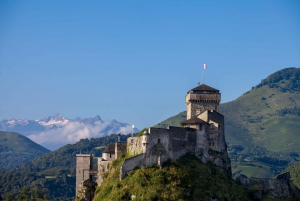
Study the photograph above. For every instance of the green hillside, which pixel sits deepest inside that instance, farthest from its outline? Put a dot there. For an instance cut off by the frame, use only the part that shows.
(53, 172)
(267, 115)
(264, 122)
(16, 149)
(184, 179)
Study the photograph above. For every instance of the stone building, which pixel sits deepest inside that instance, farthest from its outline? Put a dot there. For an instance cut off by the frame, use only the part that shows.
(84, 173)
(202, 134)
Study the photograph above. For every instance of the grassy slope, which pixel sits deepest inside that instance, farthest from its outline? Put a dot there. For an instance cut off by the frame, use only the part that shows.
(185, 179)
(16, 149)
(255, 113)
(253, 169)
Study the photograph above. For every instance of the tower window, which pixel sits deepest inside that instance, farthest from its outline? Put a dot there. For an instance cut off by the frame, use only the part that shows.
(219, 127)
(158, 141)
(200, 127)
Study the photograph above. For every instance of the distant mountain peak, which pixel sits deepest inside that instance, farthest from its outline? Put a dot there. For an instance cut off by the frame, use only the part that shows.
(57, 120)
(97, 118)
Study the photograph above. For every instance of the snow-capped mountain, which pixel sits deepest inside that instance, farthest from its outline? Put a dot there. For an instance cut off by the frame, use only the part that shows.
(56, 120)
(55, 131)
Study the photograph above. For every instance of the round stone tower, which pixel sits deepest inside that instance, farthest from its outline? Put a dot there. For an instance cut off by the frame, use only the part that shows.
(145, 141)
(200, 99)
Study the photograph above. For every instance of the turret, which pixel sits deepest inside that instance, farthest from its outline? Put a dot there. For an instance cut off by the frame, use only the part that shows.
(200, 99)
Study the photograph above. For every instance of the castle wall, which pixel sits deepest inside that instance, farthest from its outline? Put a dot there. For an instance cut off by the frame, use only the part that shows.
(163, 144)
(131, 163)
(103, 167)
(202, 137)
(134, 146)
(196, 108)
(216, 117)
(275, 187)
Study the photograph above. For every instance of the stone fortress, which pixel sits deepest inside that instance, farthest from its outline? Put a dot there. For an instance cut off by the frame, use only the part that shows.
(202, 134)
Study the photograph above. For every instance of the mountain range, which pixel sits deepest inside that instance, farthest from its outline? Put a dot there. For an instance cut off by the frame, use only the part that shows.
(55, 131)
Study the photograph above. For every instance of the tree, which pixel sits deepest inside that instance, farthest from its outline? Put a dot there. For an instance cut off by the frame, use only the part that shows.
(24, 195)
(9, 197)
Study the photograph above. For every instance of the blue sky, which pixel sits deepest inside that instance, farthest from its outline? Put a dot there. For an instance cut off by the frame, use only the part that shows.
(134, 61)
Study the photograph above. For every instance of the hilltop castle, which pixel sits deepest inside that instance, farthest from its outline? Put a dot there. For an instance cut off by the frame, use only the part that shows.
(202, 134)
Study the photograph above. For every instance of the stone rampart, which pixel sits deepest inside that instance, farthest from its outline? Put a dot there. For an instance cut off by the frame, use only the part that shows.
(131, 163)
(103, 167)
(134, 146)
(275, 187)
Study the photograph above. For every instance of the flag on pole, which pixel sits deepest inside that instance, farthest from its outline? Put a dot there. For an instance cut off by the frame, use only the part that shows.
(204, 66)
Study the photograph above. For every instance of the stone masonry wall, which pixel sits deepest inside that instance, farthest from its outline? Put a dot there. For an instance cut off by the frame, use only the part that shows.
(83, 168)
(174, 142)
(103, 167)
(275, 187)
(192, 108)
(131, 163)
(134, 146)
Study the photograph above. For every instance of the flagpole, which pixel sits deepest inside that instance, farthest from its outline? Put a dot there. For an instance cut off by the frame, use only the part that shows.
(203, 74)
(132, 130)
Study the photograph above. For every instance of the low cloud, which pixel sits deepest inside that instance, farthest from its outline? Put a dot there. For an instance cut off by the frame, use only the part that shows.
(74, 131)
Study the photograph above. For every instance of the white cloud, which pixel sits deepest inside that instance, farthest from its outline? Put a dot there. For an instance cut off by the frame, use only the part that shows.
(74, 131)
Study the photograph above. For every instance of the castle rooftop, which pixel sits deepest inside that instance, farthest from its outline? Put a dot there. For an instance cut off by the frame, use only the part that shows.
(204, 87)
(110, 149)
(193, 120)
